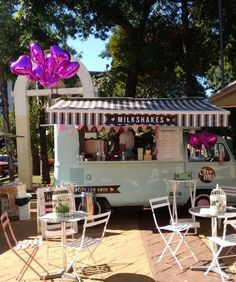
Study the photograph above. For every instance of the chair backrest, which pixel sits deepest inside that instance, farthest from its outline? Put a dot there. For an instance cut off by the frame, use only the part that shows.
(229, 222)
(161, 202)
(45, 205)
(96, 221)
(8, 231)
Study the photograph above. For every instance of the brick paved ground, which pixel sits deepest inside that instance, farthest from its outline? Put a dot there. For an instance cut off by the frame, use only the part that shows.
(128, 254)
(167, 269)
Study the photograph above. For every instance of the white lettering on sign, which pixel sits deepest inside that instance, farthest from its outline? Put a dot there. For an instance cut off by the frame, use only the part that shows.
(206, 174)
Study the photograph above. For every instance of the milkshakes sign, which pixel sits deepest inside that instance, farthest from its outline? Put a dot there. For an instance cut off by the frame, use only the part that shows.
(136, 119)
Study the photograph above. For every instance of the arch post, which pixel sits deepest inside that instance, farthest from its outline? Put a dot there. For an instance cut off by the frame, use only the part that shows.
(21, 102)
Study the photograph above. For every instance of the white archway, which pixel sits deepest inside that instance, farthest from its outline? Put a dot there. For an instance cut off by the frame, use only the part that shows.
(21, 94)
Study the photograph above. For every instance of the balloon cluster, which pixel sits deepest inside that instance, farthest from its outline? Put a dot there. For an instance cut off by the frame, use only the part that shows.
(204, 138)
(49, 69)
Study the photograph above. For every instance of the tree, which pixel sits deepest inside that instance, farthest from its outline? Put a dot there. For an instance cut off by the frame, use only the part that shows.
(8, 44)
(46, 30)
(19, 25)
(99, 16)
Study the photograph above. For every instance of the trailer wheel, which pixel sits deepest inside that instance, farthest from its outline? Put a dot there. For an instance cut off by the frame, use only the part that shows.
(101, 205)
(202, 200)
(97, 208)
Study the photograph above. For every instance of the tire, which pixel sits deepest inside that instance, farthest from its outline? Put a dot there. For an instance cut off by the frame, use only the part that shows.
(101, 205)
(202, 200)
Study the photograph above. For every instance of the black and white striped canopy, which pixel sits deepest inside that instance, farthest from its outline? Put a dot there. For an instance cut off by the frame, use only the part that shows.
(187, 112)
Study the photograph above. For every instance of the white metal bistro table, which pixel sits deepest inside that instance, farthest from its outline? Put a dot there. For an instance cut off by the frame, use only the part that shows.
(55, 218)
(206, 212)
(192, 185)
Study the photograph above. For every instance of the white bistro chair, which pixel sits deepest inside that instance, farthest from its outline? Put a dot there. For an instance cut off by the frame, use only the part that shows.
(87, 242)
(218, 244)
(173, 234)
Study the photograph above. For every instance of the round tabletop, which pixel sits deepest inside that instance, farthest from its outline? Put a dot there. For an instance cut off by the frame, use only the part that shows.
(55, 218)
(206, 211)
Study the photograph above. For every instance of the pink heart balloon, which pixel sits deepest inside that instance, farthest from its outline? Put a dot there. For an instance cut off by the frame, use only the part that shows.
(60, 56)
(22, 66)
(195, 141)
(38, 71)
(212, 141)
(36, 53)
(68, 70)
(49, 80)
(50, 65)
(208, 139)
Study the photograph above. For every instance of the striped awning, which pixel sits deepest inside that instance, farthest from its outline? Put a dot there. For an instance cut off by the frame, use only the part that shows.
(187, 112)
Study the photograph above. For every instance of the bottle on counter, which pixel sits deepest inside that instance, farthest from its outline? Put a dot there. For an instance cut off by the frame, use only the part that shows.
(123, 156)
(103, 156)
(98, 156)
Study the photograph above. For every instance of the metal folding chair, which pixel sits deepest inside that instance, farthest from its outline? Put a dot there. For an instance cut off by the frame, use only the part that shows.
(29, 248)
(218, 244)
(173, 234)
(86, 242)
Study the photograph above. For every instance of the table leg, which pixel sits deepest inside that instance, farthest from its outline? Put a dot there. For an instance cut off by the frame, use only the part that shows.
(63, 241)
(214, 268)
(61, 272)
(174, 204)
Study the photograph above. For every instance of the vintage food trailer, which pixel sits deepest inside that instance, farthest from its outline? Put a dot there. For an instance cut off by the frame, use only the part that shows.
(181, 144)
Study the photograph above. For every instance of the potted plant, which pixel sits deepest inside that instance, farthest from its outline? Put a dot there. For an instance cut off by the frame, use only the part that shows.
(61, 204)
(62, 208)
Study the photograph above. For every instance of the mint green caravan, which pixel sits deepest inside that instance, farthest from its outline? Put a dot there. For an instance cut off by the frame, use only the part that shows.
(173, 138)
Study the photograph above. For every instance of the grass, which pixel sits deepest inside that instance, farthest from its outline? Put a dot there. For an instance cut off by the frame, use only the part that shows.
(37, 180)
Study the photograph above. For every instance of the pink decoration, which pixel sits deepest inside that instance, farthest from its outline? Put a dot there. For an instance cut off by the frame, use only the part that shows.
(36, 53)
(204, 138)
(38, 72)
(195, 141)
(68, 70)
(22, 66)
(208, 139)
(60, 56)
(50, 64)
(48, 71)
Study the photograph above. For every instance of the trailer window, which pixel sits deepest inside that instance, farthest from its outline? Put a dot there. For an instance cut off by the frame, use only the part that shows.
(216, 154)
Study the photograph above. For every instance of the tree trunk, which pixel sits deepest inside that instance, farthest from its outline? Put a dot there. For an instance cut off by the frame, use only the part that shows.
(132, 77)
(9, 144)
(136, 43)
(43, 146)
(36, 160)
(189, 79)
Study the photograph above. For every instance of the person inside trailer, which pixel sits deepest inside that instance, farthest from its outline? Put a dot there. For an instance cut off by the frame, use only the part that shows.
(126, 145)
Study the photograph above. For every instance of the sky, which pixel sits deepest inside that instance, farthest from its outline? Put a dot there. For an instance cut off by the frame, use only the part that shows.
(90, 50)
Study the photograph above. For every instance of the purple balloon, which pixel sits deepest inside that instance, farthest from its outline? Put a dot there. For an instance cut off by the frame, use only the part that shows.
(50, 65)
(195, 141)
(49, 80)
(38, 71)
(68, 70)
(60, 56)
(36, 53)
(208, 139)
(22, 66)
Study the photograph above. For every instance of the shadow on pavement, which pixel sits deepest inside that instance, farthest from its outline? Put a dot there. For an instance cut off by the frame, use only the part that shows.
(127, 277)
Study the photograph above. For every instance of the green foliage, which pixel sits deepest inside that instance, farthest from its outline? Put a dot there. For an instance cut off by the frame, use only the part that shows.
(62, 208)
